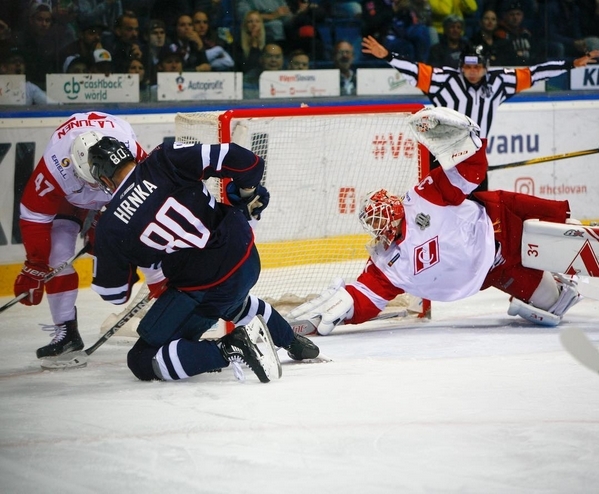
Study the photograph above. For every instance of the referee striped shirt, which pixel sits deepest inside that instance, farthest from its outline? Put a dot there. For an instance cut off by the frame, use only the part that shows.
(447, 87)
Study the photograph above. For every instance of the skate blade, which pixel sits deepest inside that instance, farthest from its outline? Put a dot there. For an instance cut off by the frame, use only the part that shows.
(72, 360)
(260, 336)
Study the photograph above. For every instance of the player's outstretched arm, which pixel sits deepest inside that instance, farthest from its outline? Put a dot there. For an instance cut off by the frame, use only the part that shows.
(372, 47)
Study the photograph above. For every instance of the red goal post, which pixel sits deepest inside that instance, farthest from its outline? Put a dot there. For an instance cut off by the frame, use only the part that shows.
(320, 162)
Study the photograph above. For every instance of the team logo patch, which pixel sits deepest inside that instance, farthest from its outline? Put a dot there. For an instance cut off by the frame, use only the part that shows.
(65, 163)
(426, 255)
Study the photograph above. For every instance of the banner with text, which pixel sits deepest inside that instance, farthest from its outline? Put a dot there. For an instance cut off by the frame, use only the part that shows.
(93, 88)
(12, 90)
(299, 84)
(585, 78)
(200, 86)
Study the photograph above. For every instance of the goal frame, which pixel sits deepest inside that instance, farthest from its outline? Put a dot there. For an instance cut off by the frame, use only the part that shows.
(226, 128)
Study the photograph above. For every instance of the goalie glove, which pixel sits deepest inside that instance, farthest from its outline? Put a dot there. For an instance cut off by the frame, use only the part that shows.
(450, 136)
(251, 201)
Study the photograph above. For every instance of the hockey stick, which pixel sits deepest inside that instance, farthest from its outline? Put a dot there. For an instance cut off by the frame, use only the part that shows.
(48, 277)
(580, 347)
(545, 159)
(307, 327)
(79, 359)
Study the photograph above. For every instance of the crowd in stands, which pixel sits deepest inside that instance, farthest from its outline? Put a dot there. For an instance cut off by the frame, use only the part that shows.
(38, 37)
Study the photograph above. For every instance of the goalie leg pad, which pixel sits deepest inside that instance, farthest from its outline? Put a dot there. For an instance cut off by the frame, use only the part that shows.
(335, 311)
(533, 314)
(310, 309)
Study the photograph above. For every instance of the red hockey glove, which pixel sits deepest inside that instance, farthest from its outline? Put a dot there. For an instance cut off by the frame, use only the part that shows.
(31, 281)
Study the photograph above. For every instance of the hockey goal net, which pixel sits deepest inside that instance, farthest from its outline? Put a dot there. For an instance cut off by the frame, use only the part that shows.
(320, 161)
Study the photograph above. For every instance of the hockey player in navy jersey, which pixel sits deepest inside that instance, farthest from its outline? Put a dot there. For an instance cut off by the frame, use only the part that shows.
(163, 220)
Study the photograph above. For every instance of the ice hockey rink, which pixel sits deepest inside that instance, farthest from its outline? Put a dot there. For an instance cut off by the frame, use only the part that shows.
(472, 401)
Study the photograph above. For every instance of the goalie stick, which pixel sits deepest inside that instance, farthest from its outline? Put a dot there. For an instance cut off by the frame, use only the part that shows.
(580, 347)
(544, 159)
(48, 277)
(79, 358)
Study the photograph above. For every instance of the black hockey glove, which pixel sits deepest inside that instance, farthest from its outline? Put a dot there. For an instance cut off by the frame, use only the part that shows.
(251, 201)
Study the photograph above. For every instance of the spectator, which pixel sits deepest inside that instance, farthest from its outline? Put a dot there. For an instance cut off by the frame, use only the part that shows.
(169, 11)
(498, 50)
(272, 57)
(40, 43)
(190, 44)
(405, 34)
(100, 12)
(5, 35)
(155, 40)
(560, 23)
(376, 17)
(511, 29)
(442, 8)
(102, 63)
(137, 67)
(298, 60)
(446, 53)
(301, 30)
(249, 51)
(169, 60)
(88, 40)
(13, 62)
(75, 64)
(275, 14)
(220, 13)
(343, 59)
(218, 57)
(123, 42)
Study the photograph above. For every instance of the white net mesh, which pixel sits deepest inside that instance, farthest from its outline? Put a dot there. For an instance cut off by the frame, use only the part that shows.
(318, 167)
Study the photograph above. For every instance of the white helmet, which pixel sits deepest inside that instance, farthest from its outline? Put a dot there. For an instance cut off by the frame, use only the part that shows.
(79, 155)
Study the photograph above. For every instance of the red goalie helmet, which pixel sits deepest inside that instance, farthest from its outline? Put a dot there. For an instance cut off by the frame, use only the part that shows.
(381, 215)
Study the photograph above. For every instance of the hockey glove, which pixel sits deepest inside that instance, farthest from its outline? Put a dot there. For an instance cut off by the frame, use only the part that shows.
(31, 281)
(88, 232)
(251, 201)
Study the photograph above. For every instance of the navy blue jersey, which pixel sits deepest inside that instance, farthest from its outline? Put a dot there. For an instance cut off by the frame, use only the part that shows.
(163, 216)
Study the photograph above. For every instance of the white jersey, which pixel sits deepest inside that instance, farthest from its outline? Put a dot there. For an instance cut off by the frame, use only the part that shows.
(57, 155)
(448, 259)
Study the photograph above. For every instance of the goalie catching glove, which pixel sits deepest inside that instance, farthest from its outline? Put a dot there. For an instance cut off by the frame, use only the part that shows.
(251, 201)
(328, 310)
(450, 136)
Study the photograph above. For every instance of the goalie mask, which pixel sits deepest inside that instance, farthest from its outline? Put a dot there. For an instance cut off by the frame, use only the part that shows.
(381, 215)
(79, 150)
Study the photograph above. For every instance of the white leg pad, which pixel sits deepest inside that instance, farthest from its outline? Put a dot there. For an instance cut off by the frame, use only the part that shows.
(336, 310)
(533, 314)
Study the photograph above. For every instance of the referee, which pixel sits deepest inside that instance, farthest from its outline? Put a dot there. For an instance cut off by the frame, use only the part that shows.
(474, 89)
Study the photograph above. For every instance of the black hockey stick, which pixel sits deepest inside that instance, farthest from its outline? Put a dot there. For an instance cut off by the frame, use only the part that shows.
(48, 277)
(79, 358)
(545, 159)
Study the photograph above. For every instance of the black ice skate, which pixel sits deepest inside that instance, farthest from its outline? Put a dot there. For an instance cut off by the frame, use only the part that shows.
(238, 349)
(65, 338)
(302, 348)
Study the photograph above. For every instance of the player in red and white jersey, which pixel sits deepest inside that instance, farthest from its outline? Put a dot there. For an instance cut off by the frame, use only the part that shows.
(55, 202)
(439, 242)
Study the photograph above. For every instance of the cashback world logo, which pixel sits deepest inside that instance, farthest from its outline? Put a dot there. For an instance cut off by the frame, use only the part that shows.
(89, 89)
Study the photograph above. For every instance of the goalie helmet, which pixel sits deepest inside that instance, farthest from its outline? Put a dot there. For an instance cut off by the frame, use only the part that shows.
(381, 215)
(79, 151)
(105, 157)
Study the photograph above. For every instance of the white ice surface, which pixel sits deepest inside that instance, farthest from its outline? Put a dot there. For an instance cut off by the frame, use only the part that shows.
(473, 401)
